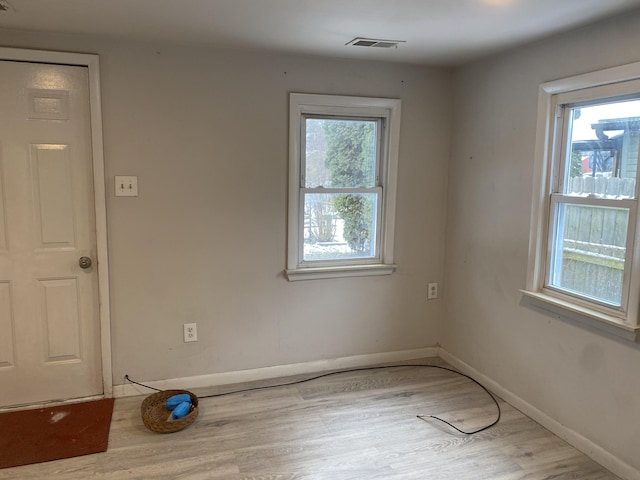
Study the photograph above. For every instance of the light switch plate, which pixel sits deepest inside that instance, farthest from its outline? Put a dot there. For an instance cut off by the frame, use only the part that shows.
(126, 186)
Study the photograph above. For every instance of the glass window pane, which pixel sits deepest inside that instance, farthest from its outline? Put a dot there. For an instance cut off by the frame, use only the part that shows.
(340, 153)
(603, 149)
(588, 253)
(339, 226)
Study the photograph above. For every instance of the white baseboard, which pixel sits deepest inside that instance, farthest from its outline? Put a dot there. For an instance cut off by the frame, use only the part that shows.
(595, 452)
(229, 378)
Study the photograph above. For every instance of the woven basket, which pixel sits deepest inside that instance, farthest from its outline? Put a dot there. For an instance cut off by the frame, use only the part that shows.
(155, 413)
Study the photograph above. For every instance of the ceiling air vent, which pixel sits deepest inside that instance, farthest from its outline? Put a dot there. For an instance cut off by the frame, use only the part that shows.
(372, 42)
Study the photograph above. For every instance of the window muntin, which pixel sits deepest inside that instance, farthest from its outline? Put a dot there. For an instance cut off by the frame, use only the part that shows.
(592, 203)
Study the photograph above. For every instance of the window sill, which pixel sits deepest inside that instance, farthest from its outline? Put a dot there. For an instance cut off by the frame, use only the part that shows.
(584, 316)
(316, 273)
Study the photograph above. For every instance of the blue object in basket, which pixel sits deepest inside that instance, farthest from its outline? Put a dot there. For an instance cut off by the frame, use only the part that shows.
(181, 410)
(175, 400)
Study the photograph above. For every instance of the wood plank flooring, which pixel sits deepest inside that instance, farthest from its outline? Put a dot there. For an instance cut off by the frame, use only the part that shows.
(352, 426)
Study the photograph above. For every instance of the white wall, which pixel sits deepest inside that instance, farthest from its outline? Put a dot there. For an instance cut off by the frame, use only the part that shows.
(205, 131)
(587, 382)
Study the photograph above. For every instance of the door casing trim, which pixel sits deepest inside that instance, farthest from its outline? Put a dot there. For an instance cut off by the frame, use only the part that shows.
(90, 61)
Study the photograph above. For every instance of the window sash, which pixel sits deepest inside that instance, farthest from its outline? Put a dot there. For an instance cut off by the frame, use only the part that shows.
(555, 241)
(562, 147)
(377, 237)
(379, 141)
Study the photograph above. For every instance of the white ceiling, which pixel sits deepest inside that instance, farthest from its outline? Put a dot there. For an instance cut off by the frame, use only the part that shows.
(443, 32)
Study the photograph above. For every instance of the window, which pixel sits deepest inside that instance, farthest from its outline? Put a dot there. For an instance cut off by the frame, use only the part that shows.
(583, 253)
(343, 155)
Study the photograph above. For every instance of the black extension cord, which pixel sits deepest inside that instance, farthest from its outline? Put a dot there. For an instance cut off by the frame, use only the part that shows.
(362, 369)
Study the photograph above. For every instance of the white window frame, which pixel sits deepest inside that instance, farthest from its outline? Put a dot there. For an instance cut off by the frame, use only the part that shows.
(620, 321)
(388, 111)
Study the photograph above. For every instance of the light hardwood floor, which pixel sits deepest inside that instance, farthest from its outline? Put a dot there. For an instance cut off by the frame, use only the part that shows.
(351, 426)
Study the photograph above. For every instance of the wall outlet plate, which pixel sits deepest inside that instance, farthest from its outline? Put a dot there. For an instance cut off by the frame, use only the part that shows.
(190, 332)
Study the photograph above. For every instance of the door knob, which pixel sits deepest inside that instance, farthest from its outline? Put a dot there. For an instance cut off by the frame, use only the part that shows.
(85, 262)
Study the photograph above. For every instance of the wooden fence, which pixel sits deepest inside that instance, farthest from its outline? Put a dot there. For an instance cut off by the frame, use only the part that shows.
(595, 238)
(612, 186)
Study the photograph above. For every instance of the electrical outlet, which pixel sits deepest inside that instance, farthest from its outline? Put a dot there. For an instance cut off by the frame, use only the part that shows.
(432, 291)
(190, 332)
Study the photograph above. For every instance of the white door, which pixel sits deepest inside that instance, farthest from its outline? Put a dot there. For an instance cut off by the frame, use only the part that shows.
(49, 312)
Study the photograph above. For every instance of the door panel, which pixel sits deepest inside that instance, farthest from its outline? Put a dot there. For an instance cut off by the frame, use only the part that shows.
(53, 202)
(3, 215)
(61, 322)
(50, 345)
(7, 347)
